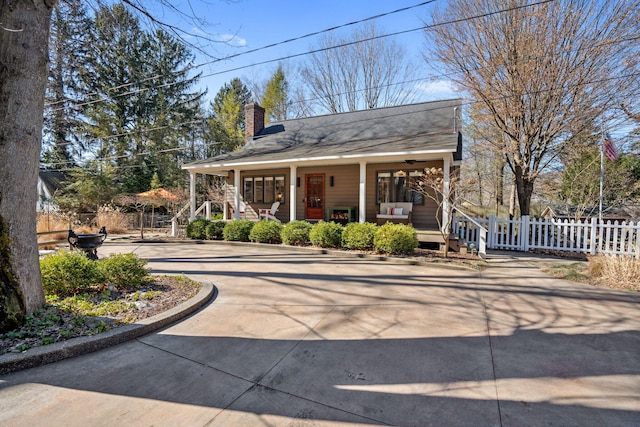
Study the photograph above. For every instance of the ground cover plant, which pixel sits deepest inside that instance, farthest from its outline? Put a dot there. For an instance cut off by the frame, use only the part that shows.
(87, 298)
(610, 271)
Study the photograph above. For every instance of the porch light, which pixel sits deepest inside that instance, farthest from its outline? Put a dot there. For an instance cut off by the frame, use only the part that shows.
(279, 197)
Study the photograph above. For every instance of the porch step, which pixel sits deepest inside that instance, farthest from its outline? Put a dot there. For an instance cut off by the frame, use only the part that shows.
(458, 245)
(431, 236)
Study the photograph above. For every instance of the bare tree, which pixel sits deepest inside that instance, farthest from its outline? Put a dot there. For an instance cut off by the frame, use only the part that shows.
(541, 71)
(216, 191)
(445, 193)
(358, 72)
(138, 203)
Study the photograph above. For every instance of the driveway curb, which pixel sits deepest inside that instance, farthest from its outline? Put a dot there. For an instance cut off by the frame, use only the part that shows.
(306, 249)
(12, 362)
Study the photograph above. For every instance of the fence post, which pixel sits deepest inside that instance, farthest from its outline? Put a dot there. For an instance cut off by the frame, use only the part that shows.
(636, 237)
(594, 234)
(524, 233)
(491, 226)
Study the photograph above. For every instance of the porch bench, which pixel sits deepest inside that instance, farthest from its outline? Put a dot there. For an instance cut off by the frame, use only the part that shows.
(399, 212)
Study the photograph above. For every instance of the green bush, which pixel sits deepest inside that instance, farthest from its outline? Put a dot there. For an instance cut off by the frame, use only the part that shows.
(125, 271)
(217, 216)
(326, 234)
(395, 238)
(214, 230)
(69, 273)
(197, 228)
(238, 230)
(296, 233)
(266, 232)
(359, 236)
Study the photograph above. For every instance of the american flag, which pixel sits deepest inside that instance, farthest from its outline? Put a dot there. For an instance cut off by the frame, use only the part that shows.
(609, 147)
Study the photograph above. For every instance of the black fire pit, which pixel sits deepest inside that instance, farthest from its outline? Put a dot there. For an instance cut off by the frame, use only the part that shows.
(89, 243)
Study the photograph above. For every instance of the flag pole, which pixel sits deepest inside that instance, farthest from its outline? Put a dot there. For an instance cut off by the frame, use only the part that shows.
(601, 174)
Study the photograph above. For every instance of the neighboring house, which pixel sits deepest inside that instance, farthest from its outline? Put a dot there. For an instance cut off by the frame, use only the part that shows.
(560, 211)
(49, 182)
(338, 166)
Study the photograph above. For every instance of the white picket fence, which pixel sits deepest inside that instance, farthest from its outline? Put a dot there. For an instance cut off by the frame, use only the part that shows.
(525, 233)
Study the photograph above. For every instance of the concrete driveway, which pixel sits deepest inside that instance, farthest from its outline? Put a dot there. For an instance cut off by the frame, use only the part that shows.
(295, 338)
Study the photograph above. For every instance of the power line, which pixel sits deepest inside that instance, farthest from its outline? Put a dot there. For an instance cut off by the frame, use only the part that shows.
(268, 46)
(466, 103)
(427, 27)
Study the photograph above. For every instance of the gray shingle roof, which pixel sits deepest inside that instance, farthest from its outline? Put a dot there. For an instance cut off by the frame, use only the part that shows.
(419, 128)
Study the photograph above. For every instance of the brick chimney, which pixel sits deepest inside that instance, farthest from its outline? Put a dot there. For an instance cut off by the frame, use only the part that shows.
(253, 120)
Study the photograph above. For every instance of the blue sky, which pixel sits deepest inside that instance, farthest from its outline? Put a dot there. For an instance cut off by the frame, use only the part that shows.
(250, 24)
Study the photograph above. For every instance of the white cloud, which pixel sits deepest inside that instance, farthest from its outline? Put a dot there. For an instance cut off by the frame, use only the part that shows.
(231, 39)
(438, 89)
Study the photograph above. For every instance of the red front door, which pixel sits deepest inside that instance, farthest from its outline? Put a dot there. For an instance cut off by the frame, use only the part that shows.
(314, 207)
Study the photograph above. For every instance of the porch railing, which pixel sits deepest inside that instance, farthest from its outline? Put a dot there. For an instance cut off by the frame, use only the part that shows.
(471, 230)
(175, 224)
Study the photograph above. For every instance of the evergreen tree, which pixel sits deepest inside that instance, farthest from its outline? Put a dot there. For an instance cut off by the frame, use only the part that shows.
(67, 51)
(275, 100)
(145, 102)
(227, 120)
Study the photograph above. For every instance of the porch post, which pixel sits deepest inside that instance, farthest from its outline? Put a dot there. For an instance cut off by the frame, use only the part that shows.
(236, 194)
(362, 201)
(446, 187)
(292, 192)
(192, 195)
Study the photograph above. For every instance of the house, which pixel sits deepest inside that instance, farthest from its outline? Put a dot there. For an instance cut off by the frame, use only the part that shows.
(562, 211)
(49, 182)
(338, 166)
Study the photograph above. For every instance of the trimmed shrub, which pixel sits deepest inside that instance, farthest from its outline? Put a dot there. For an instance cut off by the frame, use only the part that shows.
(126, 271)
(296, 233)
(266, 232)
(214, 230)
(238, 230)
(197, 229)
(326, 234)
(395, 238)
(359, 236)
(68, 273)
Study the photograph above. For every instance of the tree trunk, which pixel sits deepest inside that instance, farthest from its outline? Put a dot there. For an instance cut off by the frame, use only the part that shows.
(524, 189)
(24, 37)
(500, 181)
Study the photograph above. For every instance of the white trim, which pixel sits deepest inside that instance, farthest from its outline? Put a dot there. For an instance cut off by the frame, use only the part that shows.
(322, 160)
(293, 174)
(362, 200)
(192, 194)
(236, 194)
(446, 186)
